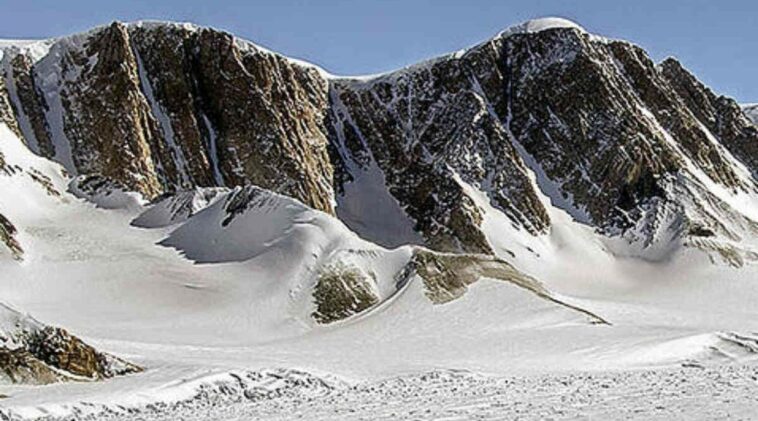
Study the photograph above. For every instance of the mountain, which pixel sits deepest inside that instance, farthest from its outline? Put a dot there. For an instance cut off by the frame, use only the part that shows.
(548, 199)
(621, 143)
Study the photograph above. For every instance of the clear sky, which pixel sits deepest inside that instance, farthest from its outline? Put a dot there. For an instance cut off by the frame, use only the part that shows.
(718, 40)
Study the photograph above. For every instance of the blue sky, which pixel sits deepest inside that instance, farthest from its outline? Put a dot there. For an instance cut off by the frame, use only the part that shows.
(718, 40)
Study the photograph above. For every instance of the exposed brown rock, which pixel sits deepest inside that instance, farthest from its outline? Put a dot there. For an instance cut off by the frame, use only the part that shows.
(268, 115)
(8, 238)
(342, 291)
(166, 57)
(32, 104)
(446, 277)
(107, 119)
(31, 352)
(722, 115)
(57, 348)
(20, 366)
(161, 109)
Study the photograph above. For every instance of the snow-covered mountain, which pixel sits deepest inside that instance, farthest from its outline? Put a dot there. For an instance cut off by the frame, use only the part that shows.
(189, 198)
(617, 141)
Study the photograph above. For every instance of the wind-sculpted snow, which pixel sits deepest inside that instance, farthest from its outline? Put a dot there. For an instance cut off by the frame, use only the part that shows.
(246, 222)
(105, 192)
(538, 25)
(673, 394)
(171, 209)
(341, 274)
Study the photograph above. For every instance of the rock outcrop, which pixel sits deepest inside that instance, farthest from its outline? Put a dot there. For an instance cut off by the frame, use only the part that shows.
(605, 130)
(33, 353)
(446, 277)
(8, 235)
(342, 291)
(30, 106)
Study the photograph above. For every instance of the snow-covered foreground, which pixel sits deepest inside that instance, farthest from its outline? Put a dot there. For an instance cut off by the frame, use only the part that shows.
(693, 392)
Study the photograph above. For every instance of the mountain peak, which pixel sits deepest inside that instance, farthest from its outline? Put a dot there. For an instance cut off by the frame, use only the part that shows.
(539, 25)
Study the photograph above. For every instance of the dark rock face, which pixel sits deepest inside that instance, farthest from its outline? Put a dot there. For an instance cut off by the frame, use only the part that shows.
(31, 103)
(269, 116)
(164, 108)
(571, 108)
(423, 128)
(8, 111)
(8, 235)
(603, 122)
(166, 70)
(237, 114)
(608, 135)
(722, 115)
(603, 125)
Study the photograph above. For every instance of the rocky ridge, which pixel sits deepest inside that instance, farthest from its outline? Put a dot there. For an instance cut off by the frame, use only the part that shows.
(544, 114)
